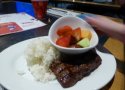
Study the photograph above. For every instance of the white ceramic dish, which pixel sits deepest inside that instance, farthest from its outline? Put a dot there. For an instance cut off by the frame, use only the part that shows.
(74, 22)
(14, 74)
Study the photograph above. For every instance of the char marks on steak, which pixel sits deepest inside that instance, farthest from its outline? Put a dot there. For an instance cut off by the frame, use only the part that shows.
(69, 69)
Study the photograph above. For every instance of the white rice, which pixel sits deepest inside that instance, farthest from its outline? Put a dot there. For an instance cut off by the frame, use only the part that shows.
(39, 55)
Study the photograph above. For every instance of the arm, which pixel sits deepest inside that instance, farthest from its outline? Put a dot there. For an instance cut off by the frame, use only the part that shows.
(112, 28)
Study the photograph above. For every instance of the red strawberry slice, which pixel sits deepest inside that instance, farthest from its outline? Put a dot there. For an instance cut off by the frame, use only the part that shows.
(64, 41)
(65, 30)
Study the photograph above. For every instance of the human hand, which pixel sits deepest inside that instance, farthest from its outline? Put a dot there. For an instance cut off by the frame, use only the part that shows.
(102, 23)
(108, 26)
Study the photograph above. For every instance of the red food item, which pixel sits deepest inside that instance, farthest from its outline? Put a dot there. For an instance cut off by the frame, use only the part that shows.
(73, 40)
(64, 41)
(70, 69)
(65, 30)
(77, 33)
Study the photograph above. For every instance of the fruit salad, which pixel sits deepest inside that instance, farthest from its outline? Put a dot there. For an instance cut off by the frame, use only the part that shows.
(73, 38)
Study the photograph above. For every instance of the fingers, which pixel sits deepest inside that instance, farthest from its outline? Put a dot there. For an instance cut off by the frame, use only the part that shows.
(90, 18)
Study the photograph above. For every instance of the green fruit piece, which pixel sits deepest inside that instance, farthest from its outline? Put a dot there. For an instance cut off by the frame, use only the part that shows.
(84, 42)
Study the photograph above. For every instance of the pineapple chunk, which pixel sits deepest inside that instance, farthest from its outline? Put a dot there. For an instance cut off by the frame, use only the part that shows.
(86, 34)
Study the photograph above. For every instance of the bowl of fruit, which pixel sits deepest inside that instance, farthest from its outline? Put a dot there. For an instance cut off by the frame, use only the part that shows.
(72, 35)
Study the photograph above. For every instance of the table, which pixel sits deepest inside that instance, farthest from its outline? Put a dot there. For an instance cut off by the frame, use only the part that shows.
(114, 46)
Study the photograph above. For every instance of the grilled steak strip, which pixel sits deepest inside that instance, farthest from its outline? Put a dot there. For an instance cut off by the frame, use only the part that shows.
(69, 69)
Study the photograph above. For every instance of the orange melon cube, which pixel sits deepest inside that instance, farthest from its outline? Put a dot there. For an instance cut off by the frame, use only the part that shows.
(86, 34)
(77, 33)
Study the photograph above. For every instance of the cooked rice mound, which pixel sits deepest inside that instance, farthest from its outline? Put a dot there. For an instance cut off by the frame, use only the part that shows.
(39, 55)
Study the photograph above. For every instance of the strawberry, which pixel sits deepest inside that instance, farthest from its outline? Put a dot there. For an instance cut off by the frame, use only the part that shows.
(77, 33)
(65, 30)
(64, 41)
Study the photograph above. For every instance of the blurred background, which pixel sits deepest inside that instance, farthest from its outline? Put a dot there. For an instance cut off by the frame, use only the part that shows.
(113, 8)
(106, 7)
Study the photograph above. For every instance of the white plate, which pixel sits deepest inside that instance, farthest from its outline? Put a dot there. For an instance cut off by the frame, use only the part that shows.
(15, 76)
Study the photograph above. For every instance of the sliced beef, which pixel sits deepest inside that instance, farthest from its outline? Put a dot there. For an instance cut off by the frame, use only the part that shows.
(69, 69)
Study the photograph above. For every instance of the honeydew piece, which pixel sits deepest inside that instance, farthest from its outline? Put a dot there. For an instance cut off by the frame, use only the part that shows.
(84, 42)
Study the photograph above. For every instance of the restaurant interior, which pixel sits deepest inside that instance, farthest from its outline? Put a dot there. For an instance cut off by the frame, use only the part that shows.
(113, 9)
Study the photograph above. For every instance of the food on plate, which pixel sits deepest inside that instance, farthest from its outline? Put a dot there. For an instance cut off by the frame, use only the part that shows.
(64, 41)
(84, 42)
(64, 30)
(39, 55)
(77, 34)
(86, 34)
(73, 38)
(46, 63)
(70, 69)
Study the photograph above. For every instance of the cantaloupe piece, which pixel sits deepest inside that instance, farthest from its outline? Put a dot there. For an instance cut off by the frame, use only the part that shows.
(86, 34)
(77, 33)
